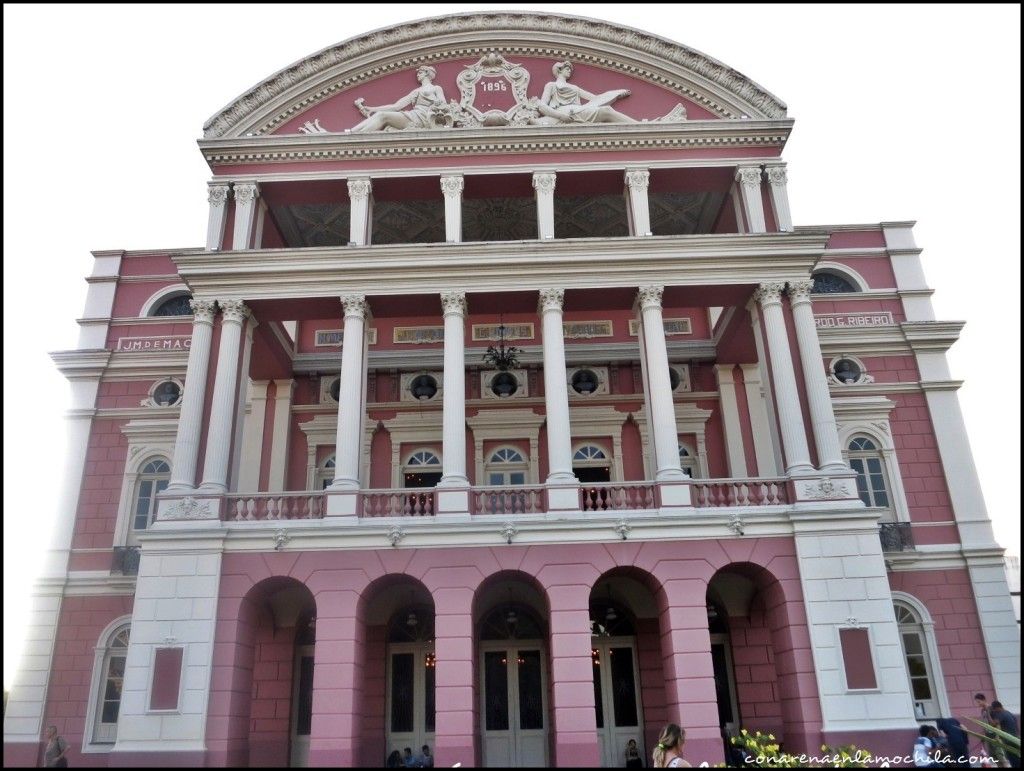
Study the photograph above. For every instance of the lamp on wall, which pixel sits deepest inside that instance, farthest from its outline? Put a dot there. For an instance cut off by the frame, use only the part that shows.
(502, 357)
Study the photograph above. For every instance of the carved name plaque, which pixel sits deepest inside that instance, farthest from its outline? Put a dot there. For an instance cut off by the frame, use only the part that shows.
(586, 329)
(512, 331)
(332, 338)
(671, 326)
(867, 319)
(161, 343)
(419, 335)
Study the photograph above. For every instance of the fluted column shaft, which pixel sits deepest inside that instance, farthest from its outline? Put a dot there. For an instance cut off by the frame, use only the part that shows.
(663, 414)
(246, 194)
(780, 197)
(190, 420)
(749, 179)
(225, 390)
(350, 394)
(451, 187)
(556, 392)
(637, 181)
(787, 398)
(359, 191)
(544, 184)
(819, 401)
(454, 432)
(218, 198)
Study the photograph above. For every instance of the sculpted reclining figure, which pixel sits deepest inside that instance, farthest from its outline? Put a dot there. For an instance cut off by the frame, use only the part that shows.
(423, 101)
(562, 102)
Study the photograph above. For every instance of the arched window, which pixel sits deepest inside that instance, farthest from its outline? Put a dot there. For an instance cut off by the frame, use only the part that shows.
(589, 453)
(114, 651)
(867, 460)
(831, 283)
(917, 656)
(154, 477)
(688, 461)
(506, 466)
(325, 474)
(174, 306)
(423, 458)
(422, 469)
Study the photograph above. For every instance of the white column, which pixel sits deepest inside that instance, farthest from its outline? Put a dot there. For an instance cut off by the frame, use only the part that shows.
(544, 184)
(190, 420)
(246, 194)
(760, 427)
(252, 437)
(218, 198)
(350, 394)
(731, 421)
(556, 391)
(780, 197)
(225, 388)
(787, 399)
(819, 401)
(663, 414)
(454, 433)
(282, 431)
(452, 189)
(749, 179)
(359, 191)
(639, 208)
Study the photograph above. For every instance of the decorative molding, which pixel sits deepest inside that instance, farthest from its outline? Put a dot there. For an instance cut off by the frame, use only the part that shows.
(395, 534)
(673, 326)
(359, 189)
(650, 296)
(187, 508)
(800, 291)
(346, 61)
(453, 303)
(776, 175)
(544, 182)
(515, 331)
(826, 489)
(217, 195)
(234, 311)
(418, 335)
(736, 523)
(281, 538)
(332, 338)
(355, 305)
(551, 300)
(622, 529)
(508, 532)
(585, 330)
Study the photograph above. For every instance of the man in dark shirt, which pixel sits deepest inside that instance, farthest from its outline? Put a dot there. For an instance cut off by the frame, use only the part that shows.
(1005, 721)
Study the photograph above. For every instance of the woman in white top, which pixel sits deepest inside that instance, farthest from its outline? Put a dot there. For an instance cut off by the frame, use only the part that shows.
(669, 752)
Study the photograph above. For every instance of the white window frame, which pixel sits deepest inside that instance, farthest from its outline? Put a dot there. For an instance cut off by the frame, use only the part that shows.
(844, 272)
(880, 455)
(150, 400)
(98, 681)
(146, 439)
(325, 472)
(159, 297)
(693, 464)
(933, 664)
(521, 466)
(869, 416)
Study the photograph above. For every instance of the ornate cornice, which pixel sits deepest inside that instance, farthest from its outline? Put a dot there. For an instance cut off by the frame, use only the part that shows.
(544, 181)
(452, 186)
(355, 306)
(600, 43)
(454, 303)
(551, 300)
(769, 292)
(359, 189)
(234, 311)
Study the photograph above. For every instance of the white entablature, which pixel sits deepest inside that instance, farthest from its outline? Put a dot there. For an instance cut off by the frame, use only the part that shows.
(692, 75)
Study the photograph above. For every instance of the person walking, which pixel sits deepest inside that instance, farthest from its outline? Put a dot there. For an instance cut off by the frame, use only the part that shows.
(1005, 721)
(669, 752)
(56, 750)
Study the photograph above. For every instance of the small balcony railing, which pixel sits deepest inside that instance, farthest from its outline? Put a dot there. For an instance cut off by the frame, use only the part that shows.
(274, 506)
(508, 500)
(125, 560)
(717, 493)
(397, 503)
(895, 536)
(618, 497)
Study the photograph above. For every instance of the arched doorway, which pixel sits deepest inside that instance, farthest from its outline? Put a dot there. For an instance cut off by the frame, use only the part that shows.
(513, 674)
(615, 661)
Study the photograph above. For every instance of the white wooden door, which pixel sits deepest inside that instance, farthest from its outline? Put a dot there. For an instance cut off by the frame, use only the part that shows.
(617, 698)
(302, 706)
(409, 707)
(513, 703)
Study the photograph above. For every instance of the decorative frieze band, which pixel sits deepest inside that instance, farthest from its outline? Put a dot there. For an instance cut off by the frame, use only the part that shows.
(584, 330)
(523, 331)
(675, 326)
(332, 338)
(418, 335)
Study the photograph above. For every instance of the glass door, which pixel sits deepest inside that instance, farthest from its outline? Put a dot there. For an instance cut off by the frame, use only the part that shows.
(617, 699)
(513, 708)
(410, 705)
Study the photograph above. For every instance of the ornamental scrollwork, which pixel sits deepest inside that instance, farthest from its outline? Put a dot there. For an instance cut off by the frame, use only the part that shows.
(452, 186)
(622, 529)
(826, 489)
(638, 179)
(508, 532)
(203, 310)
(188, 508)
(217, 195)
(281, 538)
(749, 176)
(800, 291)
(246, 192)
(776, 175)
(736, 523)
(395, 534)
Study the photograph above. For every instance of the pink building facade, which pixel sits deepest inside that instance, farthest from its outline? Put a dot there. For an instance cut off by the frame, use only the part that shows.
(510, 415)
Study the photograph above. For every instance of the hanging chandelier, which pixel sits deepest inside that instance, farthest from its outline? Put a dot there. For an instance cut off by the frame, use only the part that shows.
(502, 357)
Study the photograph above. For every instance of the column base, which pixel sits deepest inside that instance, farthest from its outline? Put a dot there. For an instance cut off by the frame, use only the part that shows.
(801, 470)
(674, 495)
(835, 468)
(451, 501)
(563, 497)
(342, 503)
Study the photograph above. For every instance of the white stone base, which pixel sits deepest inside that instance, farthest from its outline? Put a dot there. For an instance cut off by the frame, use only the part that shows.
(342, 504)
(674, 495)
(452, 501)
(564, 498)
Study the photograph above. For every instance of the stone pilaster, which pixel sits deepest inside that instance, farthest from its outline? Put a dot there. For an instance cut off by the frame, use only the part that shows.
(749, 180)
(780, 197)
(246, 194)
(544, 184)
(637, 181)
(217, 195)
(451, 187)
(360, 207)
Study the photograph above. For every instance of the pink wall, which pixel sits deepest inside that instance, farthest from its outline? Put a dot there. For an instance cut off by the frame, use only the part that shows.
(877, 271)
(920, 465)
(851, 239)
(82, 620)
(948, 596)
(101, 485)
(271, 702)
(754, 670)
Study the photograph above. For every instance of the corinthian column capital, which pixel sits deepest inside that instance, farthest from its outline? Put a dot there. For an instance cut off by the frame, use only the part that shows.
(246, 192)
(234, 310)
(355, 305)
(750, 176)
(650, 296)
(452, 185)
(800, 291)
(217, 195)
(544, 181)
(359, 189)
(203, 311)
(638, 179)
(769, 292)
(776, 175)
(551, 300)
(453, 303)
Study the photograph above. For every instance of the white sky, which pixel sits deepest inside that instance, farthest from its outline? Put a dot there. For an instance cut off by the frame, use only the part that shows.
(902, 113)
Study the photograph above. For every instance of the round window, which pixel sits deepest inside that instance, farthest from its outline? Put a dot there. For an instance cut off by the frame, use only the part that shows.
(423, 387)
(167, 393)
(673, 378)
(504, 384)
(584, 381)
(335, 389)
(846, 371)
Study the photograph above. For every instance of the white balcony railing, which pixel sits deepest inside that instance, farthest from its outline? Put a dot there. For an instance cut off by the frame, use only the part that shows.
(273, 506)
(508, 500)
(716, 493)
(619, 496)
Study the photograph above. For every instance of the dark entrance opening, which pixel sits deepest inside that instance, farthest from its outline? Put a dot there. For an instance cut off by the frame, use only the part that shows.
(588, 474)
(422, 479)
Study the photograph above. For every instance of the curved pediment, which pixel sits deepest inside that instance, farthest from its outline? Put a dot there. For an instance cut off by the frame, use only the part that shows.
(625, 75)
